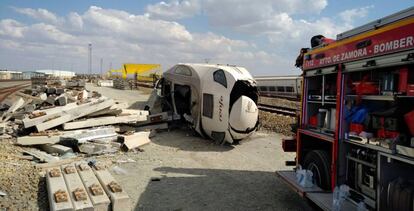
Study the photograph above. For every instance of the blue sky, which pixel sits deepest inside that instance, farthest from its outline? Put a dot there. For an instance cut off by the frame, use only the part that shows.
(263, 36)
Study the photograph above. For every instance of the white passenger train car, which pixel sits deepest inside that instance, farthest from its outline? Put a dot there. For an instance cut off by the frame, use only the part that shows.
(279, 86)
(218, 101)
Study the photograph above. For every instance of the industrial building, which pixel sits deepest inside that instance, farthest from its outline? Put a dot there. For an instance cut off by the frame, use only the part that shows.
(57, 73)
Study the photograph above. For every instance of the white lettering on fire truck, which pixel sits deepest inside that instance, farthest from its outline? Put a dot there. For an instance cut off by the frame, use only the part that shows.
(394, 44)
(353, 54)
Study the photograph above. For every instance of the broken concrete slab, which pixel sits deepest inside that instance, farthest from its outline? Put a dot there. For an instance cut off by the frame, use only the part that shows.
(135, 140)
(76, 189)
(54, 122)
(42, 156)
(58, 194)
(98, 149)
(37, 140)
(114, 110)
(119, 198)
(51, 100)
(29, 108)
(94, 189)
(51, 90)
(43, 96)
(60, 91)
(99, 121)
(56, 148)
(33, 99)
(85, 135)
(134, 112)
(18, 103)
(61, 101)
(47, 114)
(75, 113)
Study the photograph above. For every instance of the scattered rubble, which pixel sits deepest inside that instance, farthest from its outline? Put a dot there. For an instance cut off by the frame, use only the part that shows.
(56, 124)
(276, 122)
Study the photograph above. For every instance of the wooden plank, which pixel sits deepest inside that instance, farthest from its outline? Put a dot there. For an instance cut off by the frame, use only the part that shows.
(75, 113)
(36, 140)
(119, 198)
(136, 140)
(77, 192)
(99, 121)
(94, 189)
(56, 183)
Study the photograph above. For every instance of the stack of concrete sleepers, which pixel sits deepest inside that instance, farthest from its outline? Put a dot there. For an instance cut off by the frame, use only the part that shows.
(79, 187)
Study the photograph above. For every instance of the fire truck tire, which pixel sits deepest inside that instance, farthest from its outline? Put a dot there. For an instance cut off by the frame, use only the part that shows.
(319, 163)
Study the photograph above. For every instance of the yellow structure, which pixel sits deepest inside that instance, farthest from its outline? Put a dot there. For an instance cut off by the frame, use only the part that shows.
(142, 72)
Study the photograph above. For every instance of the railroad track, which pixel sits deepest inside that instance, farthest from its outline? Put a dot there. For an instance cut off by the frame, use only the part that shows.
(293, 98)
(6, 91)
(277, 109)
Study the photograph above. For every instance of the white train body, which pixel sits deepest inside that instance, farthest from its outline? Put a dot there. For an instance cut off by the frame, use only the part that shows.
(279, 86)
(219, 101)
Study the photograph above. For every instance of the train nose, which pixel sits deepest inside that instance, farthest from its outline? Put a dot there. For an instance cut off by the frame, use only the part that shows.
(243, 117)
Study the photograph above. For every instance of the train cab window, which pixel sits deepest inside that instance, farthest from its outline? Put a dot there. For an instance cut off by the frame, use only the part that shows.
(220, 77)
(272, 88)
(208, 105)
(281, 89)
(182, 70)
(289, 89)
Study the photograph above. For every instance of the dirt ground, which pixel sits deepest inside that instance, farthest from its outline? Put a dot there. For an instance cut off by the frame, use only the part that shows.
(195, 174)
(177, 171)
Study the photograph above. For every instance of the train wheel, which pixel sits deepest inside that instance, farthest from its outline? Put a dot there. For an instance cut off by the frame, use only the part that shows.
(318, 162)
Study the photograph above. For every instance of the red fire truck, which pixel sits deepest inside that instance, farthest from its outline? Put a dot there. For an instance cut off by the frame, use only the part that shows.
(356, 126)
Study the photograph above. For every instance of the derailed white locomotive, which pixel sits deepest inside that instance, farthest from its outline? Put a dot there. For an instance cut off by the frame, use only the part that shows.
(218, 101)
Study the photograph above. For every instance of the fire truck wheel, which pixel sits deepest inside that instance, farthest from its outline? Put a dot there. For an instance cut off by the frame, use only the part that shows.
(319, 163)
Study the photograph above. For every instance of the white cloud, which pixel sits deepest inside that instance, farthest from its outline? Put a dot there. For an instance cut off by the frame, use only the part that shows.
(350, 15)
(39, 14)
(11, 28)
(173, 10)
(75, 20)
(117, 36)
(235, 13)
(273, 35)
